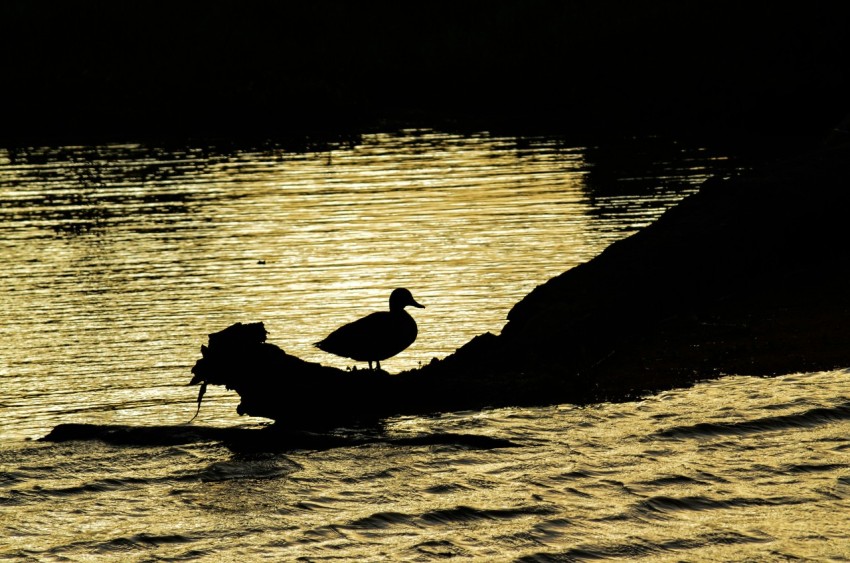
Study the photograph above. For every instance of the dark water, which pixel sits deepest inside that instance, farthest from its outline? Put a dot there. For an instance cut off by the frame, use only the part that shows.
(119, 260)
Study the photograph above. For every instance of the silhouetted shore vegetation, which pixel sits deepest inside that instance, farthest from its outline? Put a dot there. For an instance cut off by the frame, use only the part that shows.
(98, 70)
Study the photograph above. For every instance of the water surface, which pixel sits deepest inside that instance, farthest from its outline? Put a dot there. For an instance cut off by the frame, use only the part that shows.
(119, 260)
(741, 469)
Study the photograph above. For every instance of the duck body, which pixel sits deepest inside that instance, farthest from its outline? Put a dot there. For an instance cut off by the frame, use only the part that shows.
(377, 336)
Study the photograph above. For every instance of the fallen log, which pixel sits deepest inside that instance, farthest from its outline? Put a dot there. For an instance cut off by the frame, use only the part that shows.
(301, 394)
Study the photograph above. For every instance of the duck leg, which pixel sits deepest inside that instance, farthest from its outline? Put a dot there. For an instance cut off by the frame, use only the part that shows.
(379, 365)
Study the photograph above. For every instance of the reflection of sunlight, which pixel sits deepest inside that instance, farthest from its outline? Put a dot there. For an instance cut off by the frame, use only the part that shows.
(169, 246)
(470, 223)
(467, 224)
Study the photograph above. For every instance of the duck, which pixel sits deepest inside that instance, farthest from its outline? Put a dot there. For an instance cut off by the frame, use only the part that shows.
(376, 336)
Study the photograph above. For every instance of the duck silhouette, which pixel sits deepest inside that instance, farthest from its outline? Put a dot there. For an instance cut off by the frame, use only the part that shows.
(377, 336)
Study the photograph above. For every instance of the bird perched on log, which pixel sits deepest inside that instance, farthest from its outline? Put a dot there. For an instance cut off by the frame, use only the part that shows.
(377, 336)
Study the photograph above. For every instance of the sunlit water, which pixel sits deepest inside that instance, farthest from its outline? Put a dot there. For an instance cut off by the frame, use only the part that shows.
(119, 260)
(733, 470)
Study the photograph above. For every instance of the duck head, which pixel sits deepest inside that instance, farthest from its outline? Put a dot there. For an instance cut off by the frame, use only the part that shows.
(401, 298)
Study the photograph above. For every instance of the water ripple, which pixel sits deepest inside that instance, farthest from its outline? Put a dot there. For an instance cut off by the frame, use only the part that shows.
(813, 417)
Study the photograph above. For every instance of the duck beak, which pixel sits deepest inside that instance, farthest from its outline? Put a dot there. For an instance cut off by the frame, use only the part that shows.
(415, 304)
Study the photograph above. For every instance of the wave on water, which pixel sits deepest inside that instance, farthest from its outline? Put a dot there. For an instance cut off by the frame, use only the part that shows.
(138, 542)
(644, 548)
(446, 516)
(807, 419)
(659, 505)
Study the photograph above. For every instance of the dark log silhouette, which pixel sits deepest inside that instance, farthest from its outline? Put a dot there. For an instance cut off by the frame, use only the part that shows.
(748, 276)
(267, 439)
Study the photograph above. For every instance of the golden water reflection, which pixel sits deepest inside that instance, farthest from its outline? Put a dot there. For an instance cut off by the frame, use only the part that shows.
(118, 261)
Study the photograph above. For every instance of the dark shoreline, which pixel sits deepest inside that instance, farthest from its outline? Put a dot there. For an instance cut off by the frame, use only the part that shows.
(748, 277)
(101, 72)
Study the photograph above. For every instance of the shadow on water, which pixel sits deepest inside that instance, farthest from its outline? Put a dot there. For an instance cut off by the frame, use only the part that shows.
(79, 190)
(85, 189)
(259, 440)
(637, 166)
